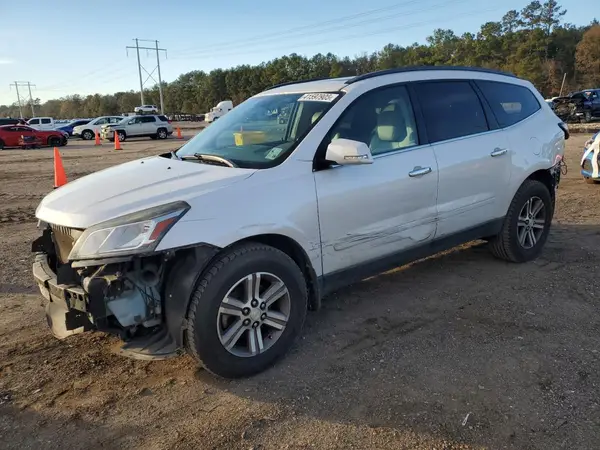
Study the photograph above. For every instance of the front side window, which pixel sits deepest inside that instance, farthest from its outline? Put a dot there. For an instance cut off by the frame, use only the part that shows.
(382, 119)
(115, 119)
(101, 121)
(46, 121)
(148, 119)
(251, 136)
(451, 109)
(510, 103)
(34, 122)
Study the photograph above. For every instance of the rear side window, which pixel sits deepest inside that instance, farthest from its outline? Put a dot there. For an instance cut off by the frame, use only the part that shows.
(163, 118)
(510, 103)
(46, 121)
(451, 109)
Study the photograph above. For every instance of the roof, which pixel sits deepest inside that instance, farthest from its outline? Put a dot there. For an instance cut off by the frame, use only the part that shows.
(297, 87)
(337, 84)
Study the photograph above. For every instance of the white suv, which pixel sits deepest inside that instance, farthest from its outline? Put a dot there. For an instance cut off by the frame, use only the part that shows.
(223, 245)
(88, 130)
(155, 127)
(145, 109)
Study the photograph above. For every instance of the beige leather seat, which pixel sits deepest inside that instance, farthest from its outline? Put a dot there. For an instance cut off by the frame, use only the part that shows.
(396, 114)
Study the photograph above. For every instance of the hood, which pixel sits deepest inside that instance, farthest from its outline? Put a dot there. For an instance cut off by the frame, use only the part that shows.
(132, 187)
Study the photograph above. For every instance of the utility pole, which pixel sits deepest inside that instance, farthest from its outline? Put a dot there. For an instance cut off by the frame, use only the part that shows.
(16, 84)
(157, 68)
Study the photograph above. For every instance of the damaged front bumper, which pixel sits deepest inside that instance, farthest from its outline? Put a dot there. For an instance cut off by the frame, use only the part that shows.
(142, 300)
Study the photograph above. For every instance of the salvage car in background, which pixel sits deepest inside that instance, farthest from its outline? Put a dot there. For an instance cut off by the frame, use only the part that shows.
(590, 161)
(11, 135)
(582, 106)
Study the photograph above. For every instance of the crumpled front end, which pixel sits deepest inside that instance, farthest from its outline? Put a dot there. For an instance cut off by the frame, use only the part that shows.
(124, 296)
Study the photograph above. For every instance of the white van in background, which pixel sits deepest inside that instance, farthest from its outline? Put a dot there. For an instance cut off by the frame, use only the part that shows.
(42, 123)
(220, 110)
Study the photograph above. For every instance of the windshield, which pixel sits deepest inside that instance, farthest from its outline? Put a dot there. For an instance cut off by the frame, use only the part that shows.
(262, 131)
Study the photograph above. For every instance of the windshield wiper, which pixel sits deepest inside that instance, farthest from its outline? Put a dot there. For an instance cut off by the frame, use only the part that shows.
(211, 159)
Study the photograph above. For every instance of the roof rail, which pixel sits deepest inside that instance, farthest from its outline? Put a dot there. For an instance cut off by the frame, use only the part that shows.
(297, 82)
(422, 68)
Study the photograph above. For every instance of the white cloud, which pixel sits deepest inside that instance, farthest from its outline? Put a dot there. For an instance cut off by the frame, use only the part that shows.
(6, 61)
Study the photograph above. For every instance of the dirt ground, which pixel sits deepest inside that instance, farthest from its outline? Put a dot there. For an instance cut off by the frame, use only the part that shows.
(458, 351)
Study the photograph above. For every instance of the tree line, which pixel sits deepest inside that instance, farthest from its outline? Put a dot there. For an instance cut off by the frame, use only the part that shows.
(533, 43)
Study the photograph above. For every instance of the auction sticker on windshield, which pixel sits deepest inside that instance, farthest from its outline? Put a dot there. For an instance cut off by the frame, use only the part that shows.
(318, 97)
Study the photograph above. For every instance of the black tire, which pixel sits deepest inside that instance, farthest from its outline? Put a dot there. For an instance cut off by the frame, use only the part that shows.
(87, 135)
(589, 180)
(215, 282)
(122, 136)
(63, 142)
(161, 133)
(506, 244)
(54, 141)
(587, 117)
(1, 144)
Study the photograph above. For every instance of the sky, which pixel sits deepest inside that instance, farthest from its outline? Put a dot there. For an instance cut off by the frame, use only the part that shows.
(67, 47)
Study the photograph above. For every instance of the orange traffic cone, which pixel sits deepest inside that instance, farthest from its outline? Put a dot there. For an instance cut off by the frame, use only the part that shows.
(60, 177)
(97, 138)
(179, 136)
(117, 142)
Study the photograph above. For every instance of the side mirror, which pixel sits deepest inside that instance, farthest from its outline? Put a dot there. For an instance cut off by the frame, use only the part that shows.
(347, 152)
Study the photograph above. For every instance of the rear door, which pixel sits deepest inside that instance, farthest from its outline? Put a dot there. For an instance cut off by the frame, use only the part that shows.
(13, 134)
(472, 153)
(46, 123)
(148, 125)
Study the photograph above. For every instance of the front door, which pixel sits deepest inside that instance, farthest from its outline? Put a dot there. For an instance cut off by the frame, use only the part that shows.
(370, 213)
(474, 162)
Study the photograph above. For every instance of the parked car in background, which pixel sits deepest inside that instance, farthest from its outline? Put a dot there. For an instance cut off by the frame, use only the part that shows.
(582, 106)
(88, 131)
(590, 162)
(8, 121)
(152, 126)
(10, 136)
(145, 109)
(71, 125)
(221, 246)
(220, 110)
(42, 123)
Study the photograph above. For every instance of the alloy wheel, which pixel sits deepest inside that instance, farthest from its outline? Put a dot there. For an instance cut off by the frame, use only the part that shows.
(253, 314)
(531, 222)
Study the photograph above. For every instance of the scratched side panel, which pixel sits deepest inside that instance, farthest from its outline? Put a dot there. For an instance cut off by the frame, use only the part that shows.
(371, 211)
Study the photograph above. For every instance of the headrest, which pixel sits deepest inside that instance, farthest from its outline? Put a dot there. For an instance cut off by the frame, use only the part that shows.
(391, 126)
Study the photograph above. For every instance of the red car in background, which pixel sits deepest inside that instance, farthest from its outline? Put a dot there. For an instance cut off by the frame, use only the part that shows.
(13, 135)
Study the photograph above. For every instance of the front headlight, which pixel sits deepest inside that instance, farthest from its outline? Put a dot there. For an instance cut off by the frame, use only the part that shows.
(134, 233)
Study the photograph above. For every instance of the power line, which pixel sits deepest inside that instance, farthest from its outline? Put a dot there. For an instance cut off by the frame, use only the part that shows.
(16, 84)
(345, 38)
(303, 27)
(140, 67)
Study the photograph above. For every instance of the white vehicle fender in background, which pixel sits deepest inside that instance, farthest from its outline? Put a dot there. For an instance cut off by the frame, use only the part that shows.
(283, 205)
(593, 148)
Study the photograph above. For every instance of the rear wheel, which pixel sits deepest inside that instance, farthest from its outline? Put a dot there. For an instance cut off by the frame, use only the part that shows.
(1, 144)
(587, 117)
(248, 308)
(87, 135)
(526, 225)
(161, 133)
(54, 141)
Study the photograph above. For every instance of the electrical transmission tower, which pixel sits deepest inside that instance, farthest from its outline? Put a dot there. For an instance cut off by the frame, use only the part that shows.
(156, 68)
(16, 84)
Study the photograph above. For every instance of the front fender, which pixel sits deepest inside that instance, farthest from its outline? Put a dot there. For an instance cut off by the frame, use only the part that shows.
(182, 276)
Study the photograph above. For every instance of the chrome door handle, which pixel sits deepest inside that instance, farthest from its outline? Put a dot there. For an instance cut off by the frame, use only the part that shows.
(418, 171)
(498, 152)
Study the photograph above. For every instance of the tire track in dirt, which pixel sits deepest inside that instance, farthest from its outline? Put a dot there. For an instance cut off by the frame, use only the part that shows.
(17, 215)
